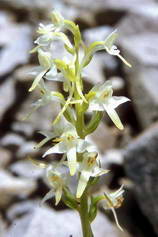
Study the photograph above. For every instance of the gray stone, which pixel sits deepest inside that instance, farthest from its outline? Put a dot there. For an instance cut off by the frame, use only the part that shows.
(101, 5)
(141, 20)
(23, 147)
(93, 73)
(97, 33)
(104, 137)
(36, 4)
(112, 156)
(12, 139)
(21, 209)
(118, 84)
(45, 222)
(27, 148)
(141, 165)
(22, 73)
(142, 52)
(18, 41)
(3, 227)
(22, 127)
(11, 186)
(5, 157)
(142, 49)
(7, 96)
(125, 5)
(26, 169)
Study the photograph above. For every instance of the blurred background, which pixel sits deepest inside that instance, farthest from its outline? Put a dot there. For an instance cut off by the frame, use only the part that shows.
(131, 154)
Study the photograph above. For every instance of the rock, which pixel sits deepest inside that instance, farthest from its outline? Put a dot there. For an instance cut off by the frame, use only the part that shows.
(22, 73)
(104, 137)
(118, 84)
(7, 88)
(27, 4)
(112, 156)
(3, 227)
(45, 222)
(21, 209)
(12, 139)
(27, 148)
(22, 146)
(141, 165)
(124, 5)
(5, 157)
(26, 169)
(18, 41)
(142, 52)
(105, 5)
(142, 19)
(24, 128)
(93, 73)
(97, 33)
(11, 186)
(139, 49)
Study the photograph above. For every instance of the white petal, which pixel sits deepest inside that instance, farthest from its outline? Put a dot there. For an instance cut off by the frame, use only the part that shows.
(58, 148)
(98, 171)
(49, 195)
(35, 71)
(114, 117)
(84, 177)
(95, 105)
(58, 195)
(37, 80)
(52, 74)
(115, 101)
(115, 216)
(83, 145)
(72, 160)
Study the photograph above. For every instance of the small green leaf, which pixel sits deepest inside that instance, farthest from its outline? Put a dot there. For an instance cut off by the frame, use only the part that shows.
(70, 200)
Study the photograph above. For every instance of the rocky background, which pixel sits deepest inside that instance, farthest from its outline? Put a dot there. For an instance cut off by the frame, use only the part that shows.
(132, 155)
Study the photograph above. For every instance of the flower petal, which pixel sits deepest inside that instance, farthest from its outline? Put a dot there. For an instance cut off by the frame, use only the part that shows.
(84, 177)
(114, 117)
(115, 101)
(58, 148)
(72, 160)
(37, 80)
(49, 195)
(95, 105)
(58, 195)
(83, 145)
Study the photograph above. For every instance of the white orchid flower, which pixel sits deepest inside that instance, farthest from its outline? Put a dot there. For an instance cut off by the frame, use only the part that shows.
(89, 168)
(47, 96)
(57, 131)
(57, 181)
(116, 52)
(114, 200)
(45, 64)
(112, 49)
(103, 100)
(70, 143)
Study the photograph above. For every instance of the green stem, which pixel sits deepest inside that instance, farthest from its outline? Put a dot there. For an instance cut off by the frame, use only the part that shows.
(83, 211)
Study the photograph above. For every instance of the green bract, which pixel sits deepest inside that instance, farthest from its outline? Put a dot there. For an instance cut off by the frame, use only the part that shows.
(69, 131)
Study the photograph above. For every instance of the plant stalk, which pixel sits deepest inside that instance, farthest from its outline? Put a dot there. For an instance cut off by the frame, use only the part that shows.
(83, 211)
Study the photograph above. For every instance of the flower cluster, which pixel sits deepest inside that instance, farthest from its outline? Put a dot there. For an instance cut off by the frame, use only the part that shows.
(69, 129)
